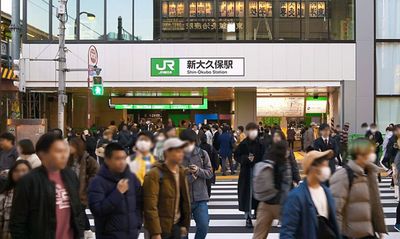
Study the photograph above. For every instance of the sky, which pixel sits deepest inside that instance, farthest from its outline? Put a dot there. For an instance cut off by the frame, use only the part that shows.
(6, 6)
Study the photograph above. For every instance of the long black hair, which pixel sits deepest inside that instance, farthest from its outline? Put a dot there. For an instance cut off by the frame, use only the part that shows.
(10, 184)
(277, 152)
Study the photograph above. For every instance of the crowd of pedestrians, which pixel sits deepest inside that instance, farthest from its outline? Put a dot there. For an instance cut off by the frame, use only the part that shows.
(155, 178)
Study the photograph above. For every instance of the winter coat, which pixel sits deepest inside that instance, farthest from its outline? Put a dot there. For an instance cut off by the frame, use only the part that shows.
(116, 215)
(291, 135)
(6, 199)
(391, 150)
(299, 215)
(359, 210)
(246, 200)
(309, 138)
(226, 143)
(212, 153)
(397, 167)
(124, 138)
(159, 195)
(197, 182)
(91, 144)
(88, 168)
(215, 141)
(376, 138)
(33, 159)
(294, 166)
(33, 214)
(8, 158)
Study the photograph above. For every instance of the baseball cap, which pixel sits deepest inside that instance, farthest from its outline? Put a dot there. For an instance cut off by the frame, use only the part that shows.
(174, 143)
(313, 155)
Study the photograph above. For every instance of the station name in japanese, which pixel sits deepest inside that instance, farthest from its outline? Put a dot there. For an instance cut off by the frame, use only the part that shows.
(175, 67)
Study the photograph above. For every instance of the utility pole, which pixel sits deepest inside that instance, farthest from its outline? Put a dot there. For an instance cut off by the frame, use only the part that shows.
(15, 30)
(62, 71)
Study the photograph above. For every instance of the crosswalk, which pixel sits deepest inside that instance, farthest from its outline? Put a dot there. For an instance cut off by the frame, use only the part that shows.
(227, 222)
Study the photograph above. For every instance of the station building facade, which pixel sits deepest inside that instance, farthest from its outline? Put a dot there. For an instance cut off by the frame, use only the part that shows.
(277, 61)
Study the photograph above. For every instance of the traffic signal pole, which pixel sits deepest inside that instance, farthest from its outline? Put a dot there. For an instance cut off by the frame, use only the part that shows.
(15, 30)
(62, 71)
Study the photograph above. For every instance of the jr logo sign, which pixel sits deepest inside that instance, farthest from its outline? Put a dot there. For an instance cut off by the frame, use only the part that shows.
(164, 67)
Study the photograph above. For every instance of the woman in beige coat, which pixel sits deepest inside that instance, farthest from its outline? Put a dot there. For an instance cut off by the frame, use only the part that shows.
(355, 189)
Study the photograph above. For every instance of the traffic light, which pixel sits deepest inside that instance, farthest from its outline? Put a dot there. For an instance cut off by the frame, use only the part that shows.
(97, 88)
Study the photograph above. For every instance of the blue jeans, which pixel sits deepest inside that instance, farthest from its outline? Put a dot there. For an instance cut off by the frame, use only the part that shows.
(201, 217)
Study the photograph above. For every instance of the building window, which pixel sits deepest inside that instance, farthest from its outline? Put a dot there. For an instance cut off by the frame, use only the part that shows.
(200, 20)
(146, 21)
(388, 19)
(38, 19)
(388, 68)
(91, 19)
(387, 111)
(119, 20)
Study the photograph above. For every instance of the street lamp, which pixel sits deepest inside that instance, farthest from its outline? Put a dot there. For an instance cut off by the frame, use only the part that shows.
(89, 15)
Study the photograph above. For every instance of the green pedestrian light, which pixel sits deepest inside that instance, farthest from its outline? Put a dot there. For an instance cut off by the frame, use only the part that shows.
(98, 90)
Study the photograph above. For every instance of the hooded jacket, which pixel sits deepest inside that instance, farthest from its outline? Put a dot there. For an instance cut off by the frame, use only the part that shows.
(116, 215)
(159, 195)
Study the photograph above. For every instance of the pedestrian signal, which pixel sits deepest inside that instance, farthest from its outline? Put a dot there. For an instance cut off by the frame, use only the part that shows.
(97, 88)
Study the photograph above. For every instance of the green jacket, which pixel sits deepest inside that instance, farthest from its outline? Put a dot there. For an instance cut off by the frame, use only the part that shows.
(159, 195)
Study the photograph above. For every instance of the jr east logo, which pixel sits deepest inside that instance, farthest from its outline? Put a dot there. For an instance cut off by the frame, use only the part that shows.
(164, 67)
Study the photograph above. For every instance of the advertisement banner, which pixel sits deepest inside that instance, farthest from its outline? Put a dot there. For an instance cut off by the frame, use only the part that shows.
(197, 67)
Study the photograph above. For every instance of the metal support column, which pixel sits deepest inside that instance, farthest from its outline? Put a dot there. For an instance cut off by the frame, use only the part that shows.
(15, 28)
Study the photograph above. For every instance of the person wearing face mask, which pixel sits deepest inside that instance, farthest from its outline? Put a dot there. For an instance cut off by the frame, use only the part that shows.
(199, 165)
(159, 148)
(359, 210)
(375, 136)
(142, 160)
(249, 152)
(309, 211)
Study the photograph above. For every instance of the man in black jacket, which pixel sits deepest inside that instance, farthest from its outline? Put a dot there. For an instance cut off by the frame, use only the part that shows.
(376, 137)
(326, 142)
(46, 201)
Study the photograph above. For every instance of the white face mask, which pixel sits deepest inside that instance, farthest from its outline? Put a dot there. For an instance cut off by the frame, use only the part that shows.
(189, 148)
(253, 134)
(372, 158)
(324, 174)
(160, 138)
(143, 145)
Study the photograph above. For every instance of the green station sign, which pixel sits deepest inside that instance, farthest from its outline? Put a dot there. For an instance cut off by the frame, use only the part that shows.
(204, 106)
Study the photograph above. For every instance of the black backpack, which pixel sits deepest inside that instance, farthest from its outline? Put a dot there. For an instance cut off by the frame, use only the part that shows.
(350, 175)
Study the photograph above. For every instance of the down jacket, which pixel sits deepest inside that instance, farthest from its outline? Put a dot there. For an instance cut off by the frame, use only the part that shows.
(358, 208)
(116, 215)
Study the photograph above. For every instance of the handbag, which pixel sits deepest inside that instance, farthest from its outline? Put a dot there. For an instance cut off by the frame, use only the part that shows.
(325, 230)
